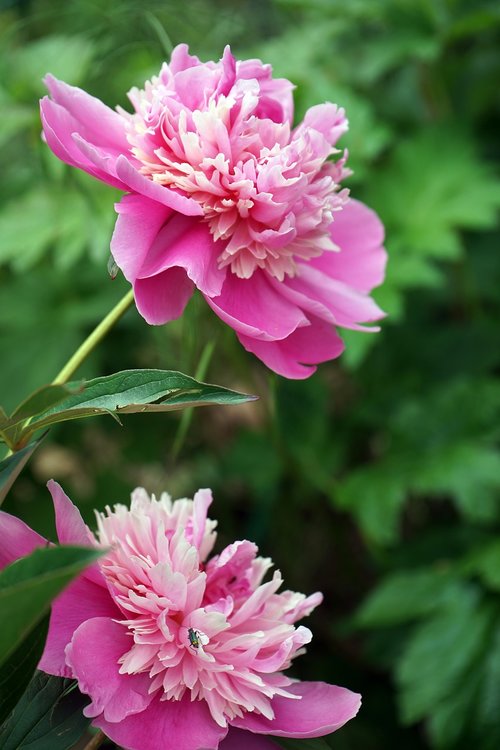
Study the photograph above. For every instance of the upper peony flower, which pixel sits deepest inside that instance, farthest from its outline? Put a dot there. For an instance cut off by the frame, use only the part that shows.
(175, 650)
(225, 195)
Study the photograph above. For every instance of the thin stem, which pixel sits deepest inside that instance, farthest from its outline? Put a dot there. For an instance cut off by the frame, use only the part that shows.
(187, 414)
(95, 742)
(95, 337)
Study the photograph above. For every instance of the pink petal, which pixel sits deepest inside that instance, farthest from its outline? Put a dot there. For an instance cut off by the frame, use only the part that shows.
(17, 539)
(71, 528)
(93, 656)
(80, 601)
(359, 234)
(183, 725)
(321, 710)
(180, 59)
(186, 243)
(139, 221)
(201, 503)
(255, 309)
(347, 306)
(163, 297)
(310, 345)
(69, 523)
(237, 739)
(327, 119)
(58, 127)
(98, 124)
(137, 183)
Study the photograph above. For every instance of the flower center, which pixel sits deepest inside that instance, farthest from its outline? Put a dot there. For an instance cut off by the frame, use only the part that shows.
(267, 193)
(207, 627)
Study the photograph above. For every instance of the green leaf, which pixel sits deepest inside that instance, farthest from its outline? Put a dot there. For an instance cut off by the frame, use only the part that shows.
(19, 668)
(41, 400)
(48, 716)
(403, 597)
(11, 467)
(134, 391)
(67, 57)
(4, 419)
(442, 654)
(485, 563)
(28, 586)
(433, 187)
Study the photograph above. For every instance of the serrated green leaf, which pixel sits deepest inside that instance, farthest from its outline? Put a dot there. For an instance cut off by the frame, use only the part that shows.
(48, 717)
(28, 586)
(434, 187)
(470, 473)
(404, 597)
(11, 467)
(441, 653)
(132, 392)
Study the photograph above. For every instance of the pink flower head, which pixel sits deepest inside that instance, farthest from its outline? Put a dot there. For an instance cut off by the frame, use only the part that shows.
(225, 195)
(170, 644)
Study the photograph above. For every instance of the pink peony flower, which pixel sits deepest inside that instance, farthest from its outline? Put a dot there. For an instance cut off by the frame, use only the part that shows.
(225, 195)
(170, 645)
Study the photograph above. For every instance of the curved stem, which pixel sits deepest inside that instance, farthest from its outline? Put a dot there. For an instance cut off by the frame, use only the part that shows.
(94, 338)
(95, 742)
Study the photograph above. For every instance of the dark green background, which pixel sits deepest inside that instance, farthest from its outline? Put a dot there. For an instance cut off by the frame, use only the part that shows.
(377, 480)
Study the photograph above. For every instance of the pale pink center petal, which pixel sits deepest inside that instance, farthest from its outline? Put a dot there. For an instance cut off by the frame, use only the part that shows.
(211, 631)
(219, 133)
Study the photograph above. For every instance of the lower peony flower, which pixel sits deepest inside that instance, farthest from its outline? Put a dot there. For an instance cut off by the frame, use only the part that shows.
(174, 648)
(225, 195)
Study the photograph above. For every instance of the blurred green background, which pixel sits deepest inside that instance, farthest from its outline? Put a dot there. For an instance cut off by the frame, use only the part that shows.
(377, 480)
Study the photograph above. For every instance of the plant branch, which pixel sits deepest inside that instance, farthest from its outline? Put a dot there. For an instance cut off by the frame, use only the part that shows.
(94, 338)
(95, 742)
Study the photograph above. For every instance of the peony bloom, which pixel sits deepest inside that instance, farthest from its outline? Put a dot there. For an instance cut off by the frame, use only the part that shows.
(223, 194)
(175, 649)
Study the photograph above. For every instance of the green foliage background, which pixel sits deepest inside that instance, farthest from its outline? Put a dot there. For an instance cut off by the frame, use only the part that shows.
(376, 481)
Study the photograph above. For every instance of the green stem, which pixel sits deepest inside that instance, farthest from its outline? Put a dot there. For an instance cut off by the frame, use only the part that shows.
(95, 742)
(187, 414)
(95, 337)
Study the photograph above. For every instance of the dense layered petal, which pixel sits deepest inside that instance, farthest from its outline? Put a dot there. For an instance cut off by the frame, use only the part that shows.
(226, 196)
(168, 641)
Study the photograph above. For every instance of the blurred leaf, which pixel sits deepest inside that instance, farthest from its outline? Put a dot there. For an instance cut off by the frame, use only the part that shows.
(433, 187)
(28, 586)
(48, 717)
(11, 467)
(65, 306)
(19, 668)
(26, 228)
(435, 446)
(403, 597)
(442, 654)
(15, 117)
(66, 57)
(132, 392)
(62, 219)
(485, 563)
